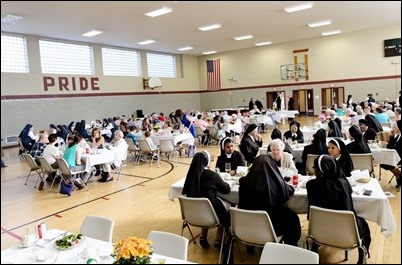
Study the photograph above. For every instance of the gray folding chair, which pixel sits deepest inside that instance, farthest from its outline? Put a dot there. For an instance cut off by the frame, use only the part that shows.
(33, 167)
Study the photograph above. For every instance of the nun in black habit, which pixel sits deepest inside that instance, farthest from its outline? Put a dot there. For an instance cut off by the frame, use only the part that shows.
(359, 144)
(333, 129)
(265, 189)
(373, 123)
(229, 155)
(331, 190)
(203, 182)
(250, 143)
(337, 149)
(295, 134)
(318, 146)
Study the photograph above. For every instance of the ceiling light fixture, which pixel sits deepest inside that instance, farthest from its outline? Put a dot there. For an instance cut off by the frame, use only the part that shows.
(92, 33)
(210, 52)
(213, 26)
(159, 12)
(319, 23)
(185, 48)
(327, 33)
(299, 7)
(263, 43)
(244, 37)
(146, 42)
(11, 19)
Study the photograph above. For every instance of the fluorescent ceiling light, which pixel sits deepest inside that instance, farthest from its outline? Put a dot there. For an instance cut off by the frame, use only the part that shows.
(213, 26)
(244, 37)
(146, 42)
(263, 43)
(330, 32)
(159, 12)
(299, 7)
(319, 23)
(210, 52)
(11, 19)
(92, 33)
(186, 48)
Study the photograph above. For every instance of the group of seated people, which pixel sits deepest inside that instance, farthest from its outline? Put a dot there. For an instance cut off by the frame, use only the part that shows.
(264, 188)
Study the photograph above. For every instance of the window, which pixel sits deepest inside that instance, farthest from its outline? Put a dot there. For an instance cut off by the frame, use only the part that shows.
(14, 56)
(120, 62)
(66, 58)
(161, 65)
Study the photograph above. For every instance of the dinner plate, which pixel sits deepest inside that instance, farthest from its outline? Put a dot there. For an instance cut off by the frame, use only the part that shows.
(69, 247)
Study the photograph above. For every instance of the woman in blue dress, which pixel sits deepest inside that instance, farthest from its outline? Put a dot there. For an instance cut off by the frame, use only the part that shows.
(187, 122)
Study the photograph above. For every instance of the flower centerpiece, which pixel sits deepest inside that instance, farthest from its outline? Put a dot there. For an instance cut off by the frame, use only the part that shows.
(132, 250)
(156, 129)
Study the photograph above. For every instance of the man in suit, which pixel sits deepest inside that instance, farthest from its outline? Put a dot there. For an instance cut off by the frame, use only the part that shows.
(258, 104)
(251, 104)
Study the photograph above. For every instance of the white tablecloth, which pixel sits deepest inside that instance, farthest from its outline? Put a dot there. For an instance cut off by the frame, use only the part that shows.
(185, 138)
(380, 155)
(103, 249)
(104, 156)
(375, 208)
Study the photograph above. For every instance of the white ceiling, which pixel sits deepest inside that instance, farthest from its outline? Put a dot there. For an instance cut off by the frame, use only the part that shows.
(124, 23)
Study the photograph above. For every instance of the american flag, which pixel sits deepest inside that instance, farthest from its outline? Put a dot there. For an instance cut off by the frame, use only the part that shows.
(214, 75)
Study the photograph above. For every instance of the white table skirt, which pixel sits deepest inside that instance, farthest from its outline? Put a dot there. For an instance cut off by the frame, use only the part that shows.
(103, 249)
(104, 156)
(185, 138)
(375, 208)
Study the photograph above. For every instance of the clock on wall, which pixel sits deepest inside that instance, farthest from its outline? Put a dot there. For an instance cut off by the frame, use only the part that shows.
(392, 47)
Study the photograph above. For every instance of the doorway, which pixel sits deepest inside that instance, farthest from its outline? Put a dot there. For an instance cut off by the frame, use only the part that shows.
(304, 101)
(271, 97)
(331, 96)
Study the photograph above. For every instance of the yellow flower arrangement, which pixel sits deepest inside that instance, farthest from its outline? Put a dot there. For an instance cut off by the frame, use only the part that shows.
(132, 250)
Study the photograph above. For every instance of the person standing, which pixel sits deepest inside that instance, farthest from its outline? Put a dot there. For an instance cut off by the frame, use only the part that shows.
(259, 104)
(291, 103)
(251, 104)
(278, 102)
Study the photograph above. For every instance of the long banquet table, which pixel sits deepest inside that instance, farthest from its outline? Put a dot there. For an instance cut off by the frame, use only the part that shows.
(50, 255)
(375, 208)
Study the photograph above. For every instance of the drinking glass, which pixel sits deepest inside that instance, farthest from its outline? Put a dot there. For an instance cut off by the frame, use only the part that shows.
(228, 167)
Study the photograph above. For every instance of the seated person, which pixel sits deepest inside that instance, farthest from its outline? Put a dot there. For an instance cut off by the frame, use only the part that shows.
(97, 142)
(373, 123)
(282, 159)
(120, 146)
(201, 182)
(131, 134)
(359, 144)
(334, 130)
(277, 134)
(72, 155)
(337, 149)
(27, 137)
(294, 134)
(51, 153)
(250, 143)
(265, 189)
(39, 146)
(331, 190)
(368, 133)
(395, 142)
(318, 146)
(229, 155)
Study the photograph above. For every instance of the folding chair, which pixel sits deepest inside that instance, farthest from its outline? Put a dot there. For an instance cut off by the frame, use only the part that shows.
(33, 167)
(334, 228)
(310, 164)
(363, 162)
(98, 227)
(169, 244)
(145, 148)
(167, 146)
(251, 227)
(123, 164)
(199, 212)
(274, 253)
(133, 150)
(67, 173)
(48, 169)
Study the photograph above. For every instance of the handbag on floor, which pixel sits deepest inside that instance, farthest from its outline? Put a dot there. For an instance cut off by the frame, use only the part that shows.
(66, 188)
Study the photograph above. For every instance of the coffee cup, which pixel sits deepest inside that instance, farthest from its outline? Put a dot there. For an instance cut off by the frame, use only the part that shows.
(25, 241)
